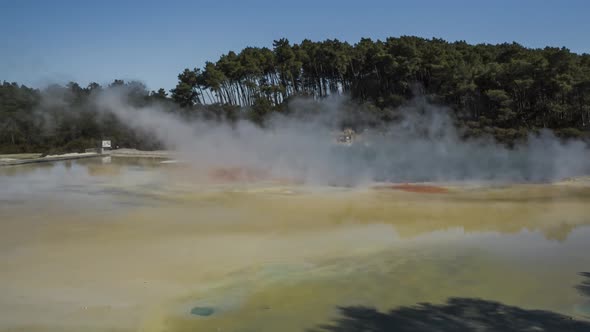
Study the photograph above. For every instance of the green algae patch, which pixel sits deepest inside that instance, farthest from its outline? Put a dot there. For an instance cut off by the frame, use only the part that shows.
(202, 311)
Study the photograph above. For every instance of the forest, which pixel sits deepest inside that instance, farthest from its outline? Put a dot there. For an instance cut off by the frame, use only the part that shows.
(505, 91)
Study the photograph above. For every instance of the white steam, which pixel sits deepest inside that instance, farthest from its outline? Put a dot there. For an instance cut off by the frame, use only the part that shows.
(423, 146)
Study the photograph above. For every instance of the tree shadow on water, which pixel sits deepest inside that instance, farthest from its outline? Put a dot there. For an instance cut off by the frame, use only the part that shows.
(457, 315)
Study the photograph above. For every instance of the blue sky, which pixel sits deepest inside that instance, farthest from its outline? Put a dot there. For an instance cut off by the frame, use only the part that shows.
(44, 42)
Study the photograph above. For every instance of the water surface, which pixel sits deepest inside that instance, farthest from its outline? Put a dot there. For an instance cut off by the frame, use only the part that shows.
(133, 245)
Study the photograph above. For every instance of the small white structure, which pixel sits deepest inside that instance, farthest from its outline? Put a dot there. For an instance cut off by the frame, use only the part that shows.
(105, 146)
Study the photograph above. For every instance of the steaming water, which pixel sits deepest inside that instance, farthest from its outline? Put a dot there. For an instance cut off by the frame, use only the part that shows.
(129, 245)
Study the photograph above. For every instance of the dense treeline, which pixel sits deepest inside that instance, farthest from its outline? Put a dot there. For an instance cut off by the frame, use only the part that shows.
(68, 118)
(63, 118)
(503, 90)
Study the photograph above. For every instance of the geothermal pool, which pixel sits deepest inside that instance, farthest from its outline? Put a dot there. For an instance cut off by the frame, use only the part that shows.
(135, 245)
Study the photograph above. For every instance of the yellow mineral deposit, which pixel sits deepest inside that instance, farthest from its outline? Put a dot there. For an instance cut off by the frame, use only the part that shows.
(157, 248)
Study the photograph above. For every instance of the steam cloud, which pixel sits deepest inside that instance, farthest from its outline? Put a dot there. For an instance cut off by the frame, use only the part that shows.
(423, 146)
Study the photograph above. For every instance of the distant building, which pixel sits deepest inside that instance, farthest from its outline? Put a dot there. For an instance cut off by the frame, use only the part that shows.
(346, 137)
